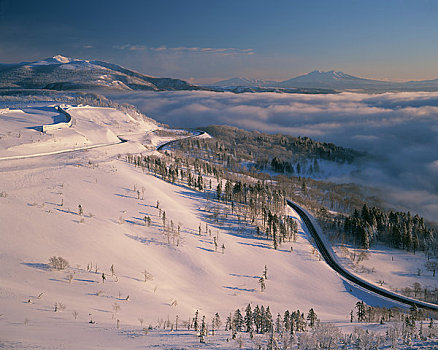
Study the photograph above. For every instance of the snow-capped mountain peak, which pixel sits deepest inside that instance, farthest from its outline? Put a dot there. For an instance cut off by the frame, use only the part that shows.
(318, 75)
(62, 59)
(58, 60)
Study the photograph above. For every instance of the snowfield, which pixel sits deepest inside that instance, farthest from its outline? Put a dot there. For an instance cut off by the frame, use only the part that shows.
(394, 269)
(154, 277)
(22, 136)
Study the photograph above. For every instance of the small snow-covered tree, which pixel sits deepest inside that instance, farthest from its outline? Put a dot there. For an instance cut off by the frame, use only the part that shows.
(361, 315)
(203, 330)
(228, 323)
(195, 321)
(311, 317)
(215, 322)
(262, 283)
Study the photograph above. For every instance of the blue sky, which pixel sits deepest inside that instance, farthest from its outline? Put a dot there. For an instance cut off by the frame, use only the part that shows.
(204, 41)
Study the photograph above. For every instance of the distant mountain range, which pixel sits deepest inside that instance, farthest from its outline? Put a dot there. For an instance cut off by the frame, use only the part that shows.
(63, 73)
(245, 82)
(331, 80)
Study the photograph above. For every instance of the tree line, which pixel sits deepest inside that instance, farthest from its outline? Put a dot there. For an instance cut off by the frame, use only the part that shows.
(398, 229)
(258, 203)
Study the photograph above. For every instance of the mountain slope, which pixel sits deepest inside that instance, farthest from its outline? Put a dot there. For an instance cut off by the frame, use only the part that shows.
(40, 218)
(91, 208)
(63, 73)
(240, 81)
(332, 80)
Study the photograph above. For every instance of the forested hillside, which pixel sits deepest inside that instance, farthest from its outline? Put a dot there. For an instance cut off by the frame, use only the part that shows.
(348, 212)
(235, 147)
(398, 229)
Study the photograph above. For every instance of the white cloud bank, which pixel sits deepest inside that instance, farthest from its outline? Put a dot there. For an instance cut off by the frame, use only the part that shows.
(400, 128)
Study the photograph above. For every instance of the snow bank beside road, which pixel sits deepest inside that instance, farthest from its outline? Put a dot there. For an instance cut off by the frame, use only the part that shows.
(88, 127)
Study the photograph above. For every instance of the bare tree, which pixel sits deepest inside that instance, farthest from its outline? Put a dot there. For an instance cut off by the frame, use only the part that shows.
(431, 266)
(147, 276)
(58, 263)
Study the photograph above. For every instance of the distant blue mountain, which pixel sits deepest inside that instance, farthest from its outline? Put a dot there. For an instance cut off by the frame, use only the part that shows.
(332, 80)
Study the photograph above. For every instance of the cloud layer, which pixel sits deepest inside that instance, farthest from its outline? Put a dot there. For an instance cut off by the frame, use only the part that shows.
(401, 129)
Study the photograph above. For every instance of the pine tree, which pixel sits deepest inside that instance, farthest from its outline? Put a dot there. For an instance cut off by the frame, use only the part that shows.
(257, 316)
(262, 284)
(361, 315)
(300, 322)
(200, 183)
(248, 319)
(203, 330)
(274, 235)
(238, 321)
(228, 190)
(262, 319)
(413, 312)
(286, 321)
(311, 317)
(228, 323)
(278, 324)
(292, 323)
(219, 190)
(215, 322)
(269, 322)
(195, 321)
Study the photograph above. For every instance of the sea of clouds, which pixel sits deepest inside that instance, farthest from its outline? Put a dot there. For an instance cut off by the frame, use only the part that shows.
(400, 129)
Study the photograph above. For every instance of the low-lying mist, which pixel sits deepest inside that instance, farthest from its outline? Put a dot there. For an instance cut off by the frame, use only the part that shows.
(400, 129)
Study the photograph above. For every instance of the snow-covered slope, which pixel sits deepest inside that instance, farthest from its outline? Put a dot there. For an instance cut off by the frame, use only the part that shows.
(21, 134)
(40, 218)
(64, 73)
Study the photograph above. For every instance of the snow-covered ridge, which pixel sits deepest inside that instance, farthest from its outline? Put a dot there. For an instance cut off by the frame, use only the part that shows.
(64, 73)
(58, 59)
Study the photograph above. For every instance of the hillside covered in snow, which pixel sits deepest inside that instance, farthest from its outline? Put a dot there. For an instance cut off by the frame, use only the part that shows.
(64, 73)
(148, 253)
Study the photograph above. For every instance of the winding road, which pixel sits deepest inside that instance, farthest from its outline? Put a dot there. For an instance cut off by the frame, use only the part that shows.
(199, 133)
(331, 261)
(68, 123)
